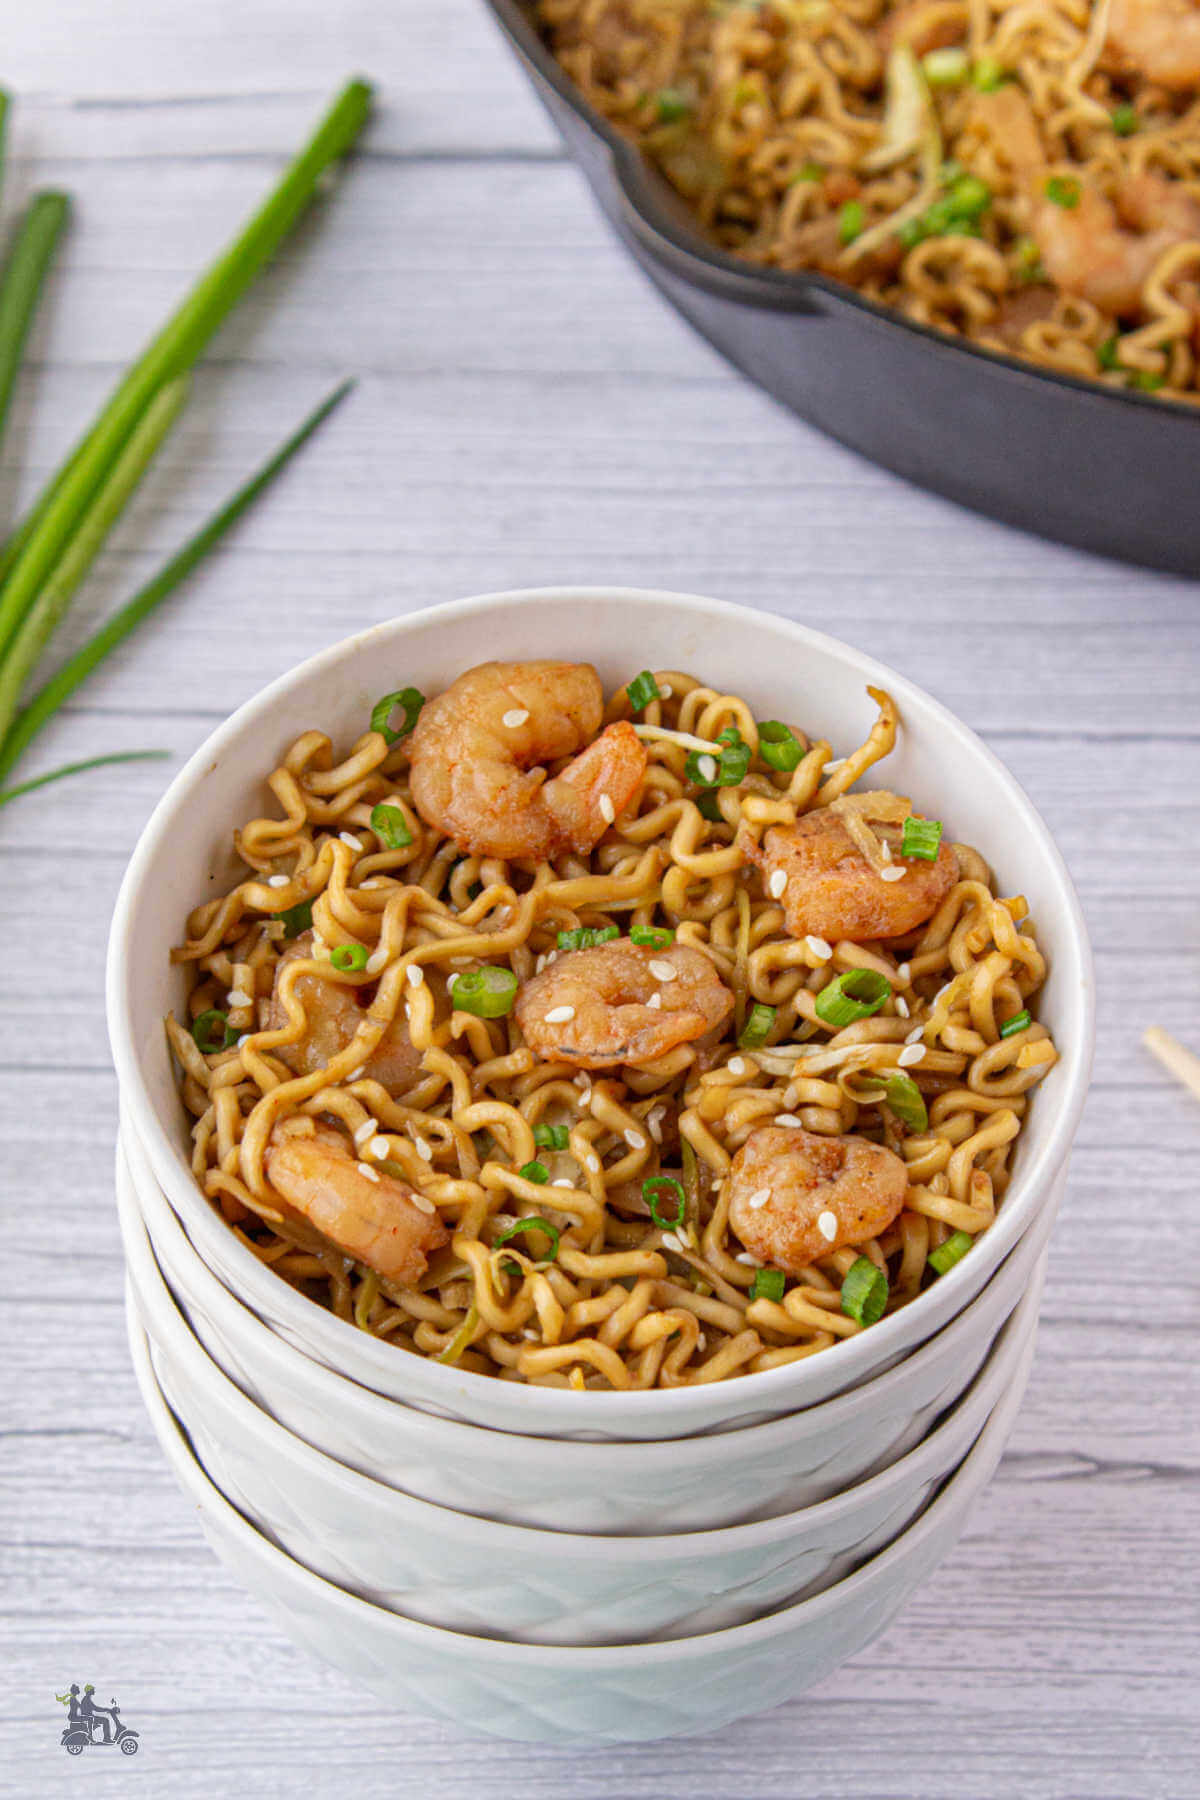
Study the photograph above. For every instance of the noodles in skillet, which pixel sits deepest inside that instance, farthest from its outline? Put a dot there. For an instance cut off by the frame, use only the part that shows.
(611, 1046)
(1022, 173)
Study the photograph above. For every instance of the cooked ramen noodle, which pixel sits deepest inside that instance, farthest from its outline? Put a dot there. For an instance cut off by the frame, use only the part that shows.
(620, 1045)
(1022, 173)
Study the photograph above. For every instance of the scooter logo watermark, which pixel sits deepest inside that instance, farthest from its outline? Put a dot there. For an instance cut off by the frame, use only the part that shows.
(90, 1724)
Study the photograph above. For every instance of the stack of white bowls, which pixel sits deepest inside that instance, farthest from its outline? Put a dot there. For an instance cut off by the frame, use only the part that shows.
(542, 1563)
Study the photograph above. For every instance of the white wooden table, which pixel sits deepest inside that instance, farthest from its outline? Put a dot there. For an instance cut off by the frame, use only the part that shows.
(531, 412)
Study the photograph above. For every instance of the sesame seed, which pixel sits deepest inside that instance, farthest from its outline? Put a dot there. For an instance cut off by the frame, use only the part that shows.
(886, 850)
(896, 872)
(665, 689)
(239, 997)
(915, 1035)
(353, 1074)
(415, 975)
(376, 961)
(777, 884)
(559, 1015)
(362, 1132)
(819, 948)
(592, 1163)
(348, 837)
(530, 1336)
(759, 1199)
(837, 763)
(539, 964)
(562, 1181)
(654, 1119)
(904, 974)
(278, 880)
(902, 1006)
(366, 1169)
(655, 1002)
(635, 1140)
(244, 1039)
(911, 1055)
(378, 1148)
(423, 1150)
(706, 768)
(670, 1241)
(663, 971)
(751, 1262)
(451, 979)
(517, 716)
(423, 1205)
(827, 1226)
(608, 811)
(375, 881)
(736, 1066)
(789, 1119)
(702, 1342)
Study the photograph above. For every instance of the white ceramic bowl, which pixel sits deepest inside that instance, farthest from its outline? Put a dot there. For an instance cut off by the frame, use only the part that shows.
(687, 1484)
(587, 1696)
(474, 1575)
(784, 670)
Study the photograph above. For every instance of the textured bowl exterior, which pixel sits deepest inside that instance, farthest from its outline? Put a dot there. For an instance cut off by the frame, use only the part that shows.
(688, 1484)
(779, 666)
(624, 1694)
(474, 1575)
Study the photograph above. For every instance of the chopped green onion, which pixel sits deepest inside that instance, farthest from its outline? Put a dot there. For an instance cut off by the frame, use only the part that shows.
(77, 768)
(348, 959)
(550, 1137)
(851, 220)
(535, 1171)
(952, 1251)
(409, 700)
(1108, 354)
(462, 1338)
(757, 1028)
(1029, 260)
(212, 1031)
(672, 1189)
(768, 1284)
(671, 105)
(730, 765)
(1063, 190)
(642, 690)
(297, 919)
(988, 75)
(588, 936)
(532, 1223)
(946, 68)
(864, 1291)
(969, 197)
(1019, 1022)
(710, 808)
(390, 827)
(906, 1100)
(854, 994)
(1142, 378)
(809, 171)
(488, 992)
(24, 276)
(1125, 120)
(911, 233)
(921, 837)
(779, 746)
(652, 937)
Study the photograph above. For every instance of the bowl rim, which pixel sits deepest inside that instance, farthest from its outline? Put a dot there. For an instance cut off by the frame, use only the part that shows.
(153, 1297)
(719, 271)
(197, 1486)
(604, 1455)
(562, 1406)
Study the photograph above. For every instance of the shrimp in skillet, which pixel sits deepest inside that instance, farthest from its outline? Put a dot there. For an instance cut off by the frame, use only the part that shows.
(479, 756)
(620, 1003)
(828, 888)
(334, 1010)
(373, 1218)
(1159, 39)
(1105, 249)
(796, 1197)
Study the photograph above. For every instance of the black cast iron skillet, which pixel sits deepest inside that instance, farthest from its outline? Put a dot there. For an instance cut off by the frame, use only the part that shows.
(1111, 471)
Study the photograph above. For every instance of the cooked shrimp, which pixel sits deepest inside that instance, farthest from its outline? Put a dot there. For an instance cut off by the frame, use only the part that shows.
(828, 888)
(1105, 250)
(796, 1197)
(1159, 39)
(620, 1003)
(480, 749)
(373, 1218)
(335, 1011)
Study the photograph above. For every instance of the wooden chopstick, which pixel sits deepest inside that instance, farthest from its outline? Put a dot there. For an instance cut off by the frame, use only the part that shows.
(1174, 1057)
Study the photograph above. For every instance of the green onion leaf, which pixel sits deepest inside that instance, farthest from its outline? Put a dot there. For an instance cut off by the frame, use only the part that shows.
(710, 808)
(532, 1223)
(390, 827)
(779, 746)
(671, 1190)
(1125, 119)
(1064, 190)
(988, 75)
(864, 1291)
(297, 919)
(952, 1251)
(550, 1137)
(642, 690)
(921, 837)
(462, 1338)
(854, 994)
(652, 937)
(1019, 1022)
(946, 68)
(588, 936)
(488, 992)
(809, 171)
(851, 220)
(1108, 354)
(410, 701)
(768, 1284)
(348, 959)
(25, 273)
(671, 106)
(757, 1028)
(727, 768)
(906, 1100)
(535, 1171)
(212, 1031)
(78, 768)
